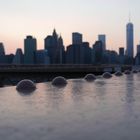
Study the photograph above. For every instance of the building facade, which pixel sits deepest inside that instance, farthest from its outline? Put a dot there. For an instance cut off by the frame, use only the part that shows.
(30, 47)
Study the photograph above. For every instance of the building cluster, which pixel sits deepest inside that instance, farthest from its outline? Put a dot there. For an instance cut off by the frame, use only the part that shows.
(78, 52)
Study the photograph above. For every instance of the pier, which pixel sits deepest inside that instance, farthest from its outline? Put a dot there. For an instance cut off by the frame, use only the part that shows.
(12, 74)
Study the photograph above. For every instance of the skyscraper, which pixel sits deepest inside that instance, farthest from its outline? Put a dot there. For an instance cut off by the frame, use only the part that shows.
(138, 49)
(102, 38)
(30, 47)
(18, 58)
(2, 54)
(42, 57)
(97, 52)
(77, 38)
(130, 40)
(121, 51)
(54, 46)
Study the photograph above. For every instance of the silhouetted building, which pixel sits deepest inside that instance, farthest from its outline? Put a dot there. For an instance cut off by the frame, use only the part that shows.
(114, 58)
(137, 58)
(9, 58)
(19, 57)
(86, 53)
(42, 57)
(30, 47)
(2, 54)
(77, 38)
(130, 40)
(73, 54)
(121, 51)
(102, 38)
(138, 49)
(121, 55)
(97, 53)
(55, 47)
(79, 52)
(70, 55)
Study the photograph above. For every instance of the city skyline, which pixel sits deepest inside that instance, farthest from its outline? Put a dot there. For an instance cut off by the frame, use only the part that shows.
(89, 17)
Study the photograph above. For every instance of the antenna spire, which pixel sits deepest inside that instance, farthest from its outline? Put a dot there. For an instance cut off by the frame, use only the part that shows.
(129, 17)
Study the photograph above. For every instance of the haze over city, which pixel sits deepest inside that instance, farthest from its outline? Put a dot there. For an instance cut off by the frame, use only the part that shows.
(89, 17)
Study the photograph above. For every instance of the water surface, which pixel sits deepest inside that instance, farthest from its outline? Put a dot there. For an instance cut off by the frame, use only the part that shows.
(102, 110)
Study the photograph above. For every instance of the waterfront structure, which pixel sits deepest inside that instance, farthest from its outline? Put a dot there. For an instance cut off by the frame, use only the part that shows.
(30, 47)
(102, 38)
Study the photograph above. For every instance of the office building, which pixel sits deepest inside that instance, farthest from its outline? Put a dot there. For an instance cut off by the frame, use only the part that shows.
(97, 53)
(77, 38)
(130, 40)
(121, 52)
(19, 57)
(54, 46)
(102, 38)
(2, 54)
(42, 57)
(30, 47)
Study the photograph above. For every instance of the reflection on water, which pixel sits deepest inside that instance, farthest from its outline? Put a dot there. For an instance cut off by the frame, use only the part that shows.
(102, 110)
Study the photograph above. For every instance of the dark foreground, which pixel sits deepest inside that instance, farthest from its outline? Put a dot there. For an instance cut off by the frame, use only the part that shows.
(12, 74)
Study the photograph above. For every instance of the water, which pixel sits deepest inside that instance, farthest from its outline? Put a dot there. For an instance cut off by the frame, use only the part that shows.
(102, 110)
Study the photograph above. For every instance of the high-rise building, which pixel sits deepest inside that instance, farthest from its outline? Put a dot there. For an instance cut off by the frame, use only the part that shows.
(130, 40)
(137, 58)
(121, 55)
(86, 53)
(54, 46)
(138, 49)
(79, 52)
(97, 52)
(18, 58)
(102, 38)
(30, 47)
(2, 54)
(77, 38)
(42, 57)
(9, 58)
(121, 51)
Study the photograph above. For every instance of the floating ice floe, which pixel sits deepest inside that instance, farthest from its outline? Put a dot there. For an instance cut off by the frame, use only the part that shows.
(59, 81)
(118, 73)
(107, 75)
(90, 77)
(26, 86)
(127, 72)
(134, 71)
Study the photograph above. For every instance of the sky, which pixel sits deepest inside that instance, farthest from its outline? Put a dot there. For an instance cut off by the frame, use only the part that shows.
(19, 18)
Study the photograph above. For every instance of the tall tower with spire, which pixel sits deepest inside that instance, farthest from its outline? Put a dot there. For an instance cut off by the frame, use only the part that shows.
(130, 39)
(54, 46)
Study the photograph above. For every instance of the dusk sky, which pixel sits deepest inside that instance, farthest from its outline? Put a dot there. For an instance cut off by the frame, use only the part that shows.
(89, 17)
